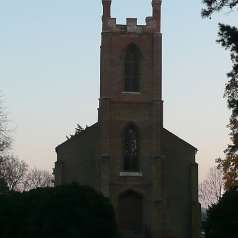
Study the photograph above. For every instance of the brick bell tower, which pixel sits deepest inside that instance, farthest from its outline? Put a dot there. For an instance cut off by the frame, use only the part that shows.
(131, 122)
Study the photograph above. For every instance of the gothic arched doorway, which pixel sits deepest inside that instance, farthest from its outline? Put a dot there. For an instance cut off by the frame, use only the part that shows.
(130, 212)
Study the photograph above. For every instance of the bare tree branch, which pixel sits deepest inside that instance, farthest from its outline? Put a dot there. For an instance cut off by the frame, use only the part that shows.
(211, 189)
(38, 178)
(13, 171)
(5, 140)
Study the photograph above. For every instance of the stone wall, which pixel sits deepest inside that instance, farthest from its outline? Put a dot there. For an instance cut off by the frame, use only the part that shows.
(180, 188)
(76, 159)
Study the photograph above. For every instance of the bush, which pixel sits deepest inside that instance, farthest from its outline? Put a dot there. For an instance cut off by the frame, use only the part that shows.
(222, 218)
(63, 212)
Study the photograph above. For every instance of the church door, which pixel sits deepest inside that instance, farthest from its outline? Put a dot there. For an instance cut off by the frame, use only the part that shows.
(130, 212)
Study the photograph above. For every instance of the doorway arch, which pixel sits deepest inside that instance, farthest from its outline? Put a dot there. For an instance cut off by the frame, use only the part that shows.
(130, 212)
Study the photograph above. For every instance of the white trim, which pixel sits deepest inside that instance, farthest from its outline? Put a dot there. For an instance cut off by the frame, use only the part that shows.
(134, 93)
(131, 174)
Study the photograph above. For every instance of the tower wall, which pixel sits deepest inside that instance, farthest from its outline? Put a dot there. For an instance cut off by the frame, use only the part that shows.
(143, 108)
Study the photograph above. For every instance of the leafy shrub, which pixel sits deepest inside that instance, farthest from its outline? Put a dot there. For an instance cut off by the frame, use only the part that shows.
(64, 212)
(222, 218)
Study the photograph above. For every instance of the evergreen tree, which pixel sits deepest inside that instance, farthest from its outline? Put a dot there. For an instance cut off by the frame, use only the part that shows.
(228, 38)
(222, 219)
(78, 130)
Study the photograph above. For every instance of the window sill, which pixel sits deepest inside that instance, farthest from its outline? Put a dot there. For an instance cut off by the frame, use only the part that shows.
(131, 174)
(131, 93)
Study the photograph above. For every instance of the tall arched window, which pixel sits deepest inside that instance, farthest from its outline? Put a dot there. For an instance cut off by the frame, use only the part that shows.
(132, 69)
(131, 149)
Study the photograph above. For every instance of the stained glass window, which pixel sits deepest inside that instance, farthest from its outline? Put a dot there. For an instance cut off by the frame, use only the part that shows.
(131, 149)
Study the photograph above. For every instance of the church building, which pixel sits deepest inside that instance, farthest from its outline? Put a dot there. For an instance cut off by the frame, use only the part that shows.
(149, 174)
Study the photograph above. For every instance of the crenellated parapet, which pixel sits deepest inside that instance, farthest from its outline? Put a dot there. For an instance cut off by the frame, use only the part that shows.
(152, 23)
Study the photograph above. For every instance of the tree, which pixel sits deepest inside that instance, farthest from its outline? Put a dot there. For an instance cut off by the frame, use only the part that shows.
(18, 177)
(5, 140)
(36, 178)
(14, 174)
(228, 38)
(13, 171)
(66, 211)
(3, 186)
(211, 189)
(78, 130)
(222, 220)
(217, 5)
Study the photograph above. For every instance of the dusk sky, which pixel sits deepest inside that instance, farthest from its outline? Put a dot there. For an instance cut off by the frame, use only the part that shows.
(49, 73)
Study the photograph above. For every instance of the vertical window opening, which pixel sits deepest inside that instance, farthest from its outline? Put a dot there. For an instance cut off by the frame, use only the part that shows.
(132, 69)
(131, 149)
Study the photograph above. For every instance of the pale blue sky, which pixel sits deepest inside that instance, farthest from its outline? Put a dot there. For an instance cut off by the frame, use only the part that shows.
(49, 72)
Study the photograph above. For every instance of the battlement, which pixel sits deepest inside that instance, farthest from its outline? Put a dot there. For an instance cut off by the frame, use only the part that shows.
(131, 25)
(152, 23)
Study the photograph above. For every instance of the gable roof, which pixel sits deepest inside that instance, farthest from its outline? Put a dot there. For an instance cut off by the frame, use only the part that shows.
(165, 131)
(75, 137)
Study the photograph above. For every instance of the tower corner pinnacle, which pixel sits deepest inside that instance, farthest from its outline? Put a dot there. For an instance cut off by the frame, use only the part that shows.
(106, 11)
(156, 5)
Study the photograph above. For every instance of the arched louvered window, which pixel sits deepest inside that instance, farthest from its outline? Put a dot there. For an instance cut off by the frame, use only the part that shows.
(132, 69)
(131, 149)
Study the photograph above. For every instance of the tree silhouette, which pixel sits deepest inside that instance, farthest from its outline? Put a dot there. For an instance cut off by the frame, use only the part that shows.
(66, 211)
(78, 130)
(211, 188)
(36, 178)
(222, 220)
(228, 38)
(13, 171)
(5, 140)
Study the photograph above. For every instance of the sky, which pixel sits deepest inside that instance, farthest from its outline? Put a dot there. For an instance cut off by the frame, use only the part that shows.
(49, 73)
